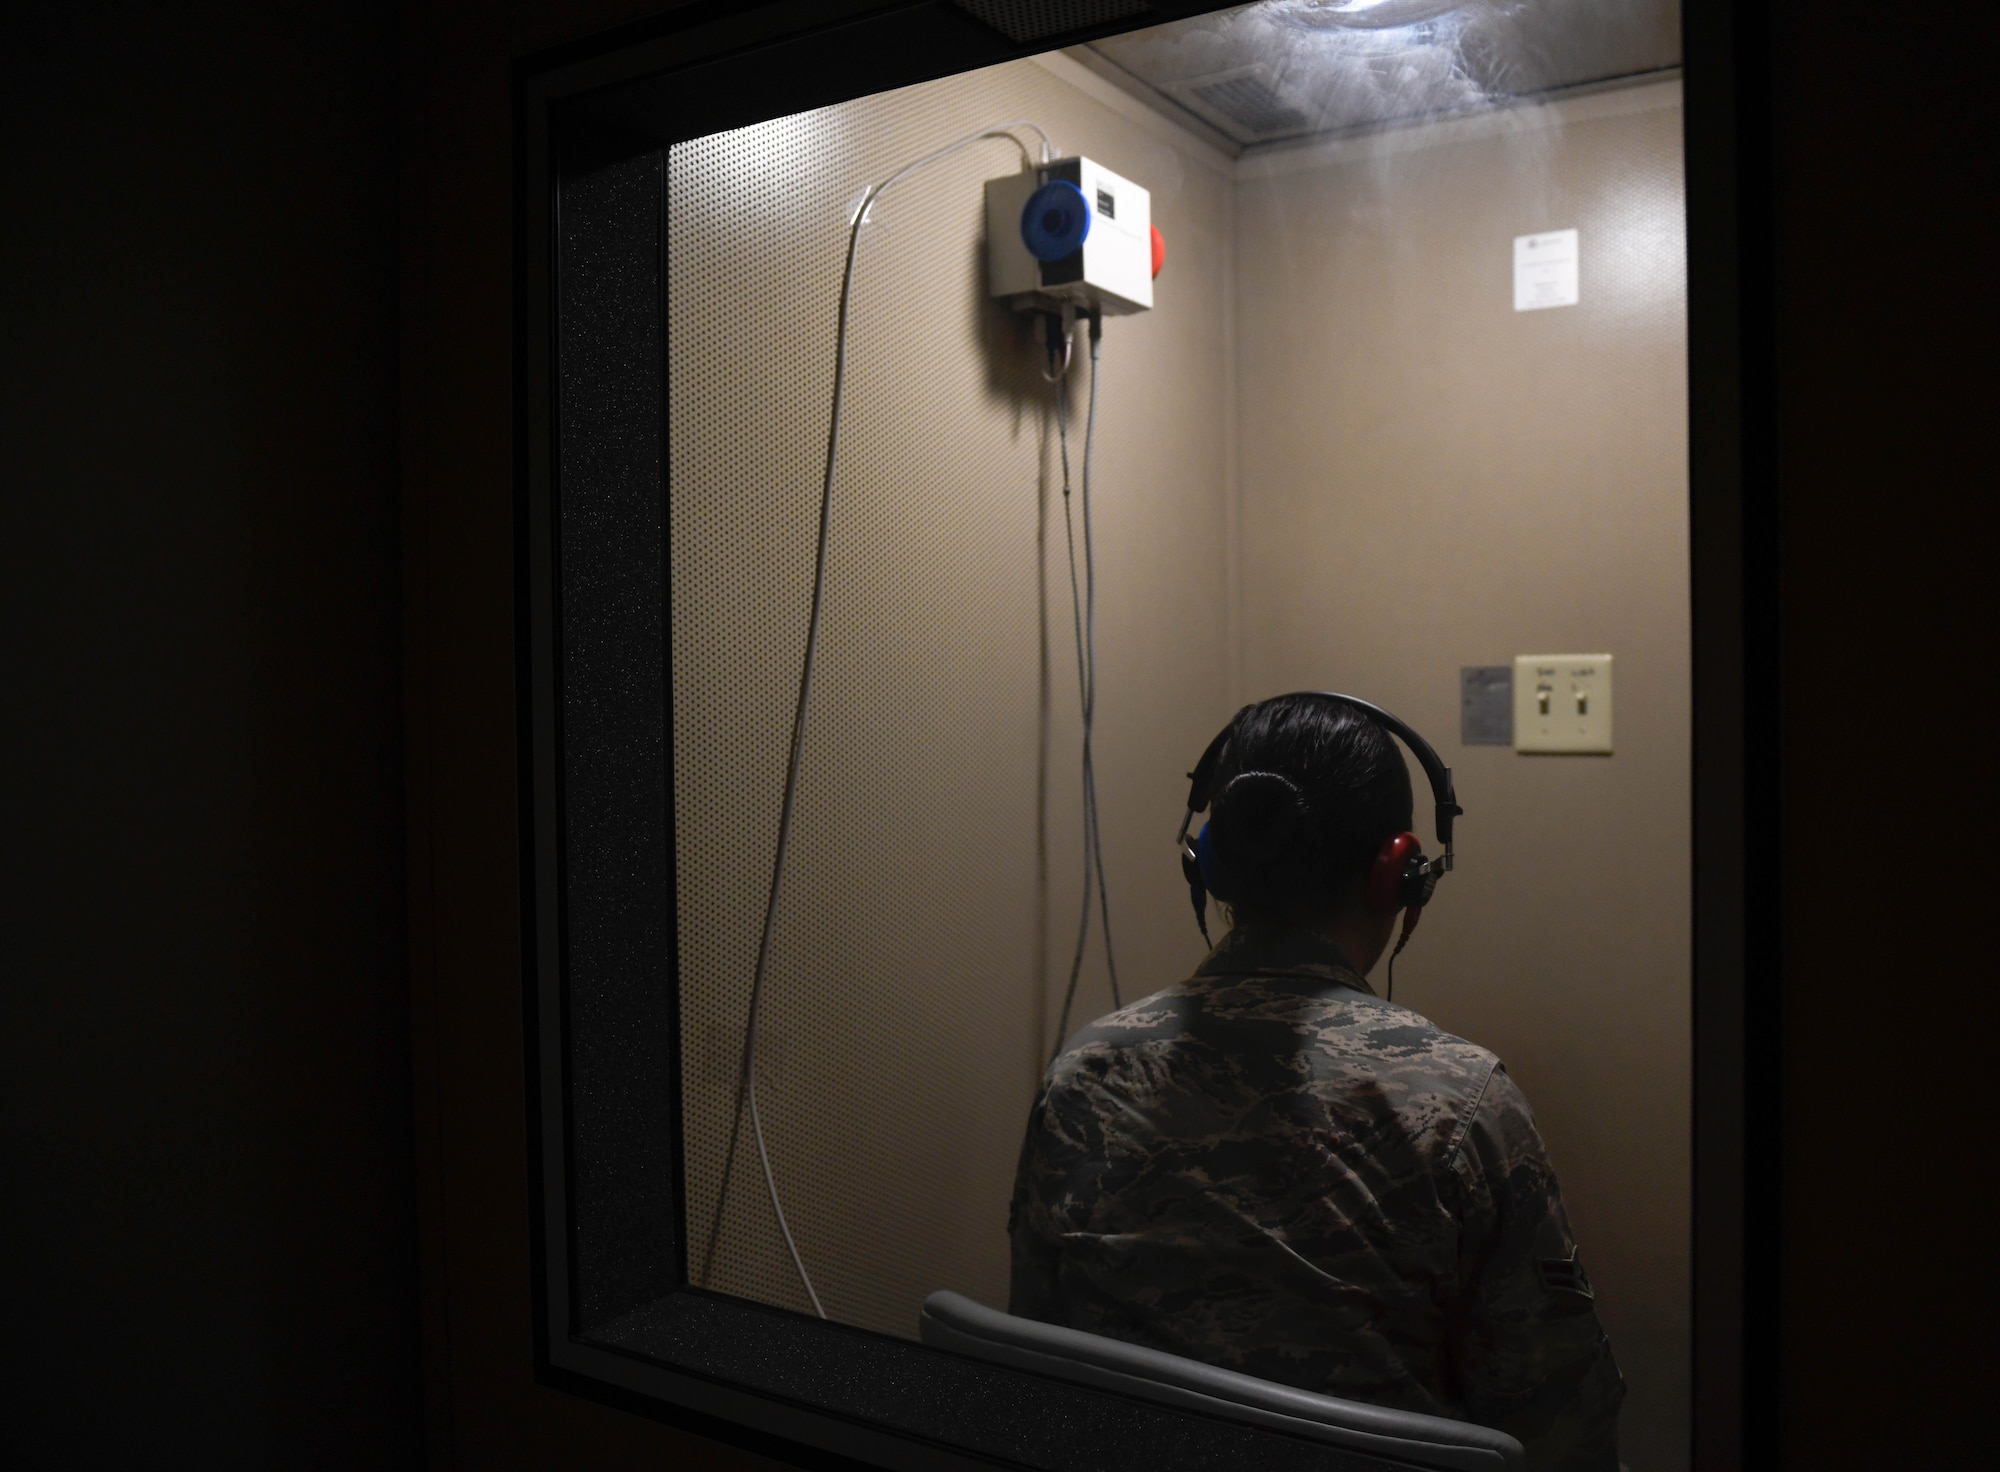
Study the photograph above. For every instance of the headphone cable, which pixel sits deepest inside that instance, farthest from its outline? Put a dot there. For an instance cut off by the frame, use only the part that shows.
(1401, 941)
(747, 1086)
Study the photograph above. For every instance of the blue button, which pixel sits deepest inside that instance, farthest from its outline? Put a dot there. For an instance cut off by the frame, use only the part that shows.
(1056, 221)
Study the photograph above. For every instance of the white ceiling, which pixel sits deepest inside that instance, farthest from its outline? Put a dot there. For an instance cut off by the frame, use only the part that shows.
(1287, 69)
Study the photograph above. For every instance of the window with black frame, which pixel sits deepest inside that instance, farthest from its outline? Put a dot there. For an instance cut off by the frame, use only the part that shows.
(947, 438)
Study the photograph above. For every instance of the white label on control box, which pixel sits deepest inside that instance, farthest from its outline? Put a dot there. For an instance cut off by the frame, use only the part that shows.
(1545, 270)
(1118, 252)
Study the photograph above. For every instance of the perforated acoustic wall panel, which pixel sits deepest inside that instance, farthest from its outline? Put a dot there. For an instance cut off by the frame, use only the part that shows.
(935, 869)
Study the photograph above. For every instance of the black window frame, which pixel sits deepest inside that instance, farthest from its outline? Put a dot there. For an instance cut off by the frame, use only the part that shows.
(818, 1393)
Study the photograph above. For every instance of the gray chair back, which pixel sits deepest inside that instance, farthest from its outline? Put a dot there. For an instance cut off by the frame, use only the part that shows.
(952, 1321)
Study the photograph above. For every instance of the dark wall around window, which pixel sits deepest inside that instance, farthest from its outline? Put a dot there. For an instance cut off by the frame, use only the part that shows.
(1885, 331)
(204, 1037)
(226, 550)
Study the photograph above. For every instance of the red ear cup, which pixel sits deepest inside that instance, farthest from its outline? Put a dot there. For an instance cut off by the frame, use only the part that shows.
(1389, 878)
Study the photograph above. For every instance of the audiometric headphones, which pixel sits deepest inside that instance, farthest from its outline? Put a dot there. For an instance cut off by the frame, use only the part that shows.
(1401, 877)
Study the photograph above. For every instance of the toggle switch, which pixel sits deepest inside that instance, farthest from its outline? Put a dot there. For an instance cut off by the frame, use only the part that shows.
(1562, 703)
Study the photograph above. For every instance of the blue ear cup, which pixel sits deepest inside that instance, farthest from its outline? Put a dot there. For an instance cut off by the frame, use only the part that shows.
(1056, 221)
(1204, 850)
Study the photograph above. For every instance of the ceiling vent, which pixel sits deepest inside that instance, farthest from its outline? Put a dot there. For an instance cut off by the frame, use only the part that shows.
(1037, 20)
(1246, 102)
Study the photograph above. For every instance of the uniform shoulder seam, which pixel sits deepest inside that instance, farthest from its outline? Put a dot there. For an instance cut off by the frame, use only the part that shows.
(1465, 1120)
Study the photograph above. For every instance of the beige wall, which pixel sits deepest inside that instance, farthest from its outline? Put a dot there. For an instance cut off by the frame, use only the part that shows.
(935, 872)
(1431, 479)
(1332, 456)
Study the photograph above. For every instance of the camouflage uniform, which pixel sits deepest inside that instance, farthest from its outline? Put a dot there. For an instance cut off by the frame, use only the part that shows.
(1269, 1168)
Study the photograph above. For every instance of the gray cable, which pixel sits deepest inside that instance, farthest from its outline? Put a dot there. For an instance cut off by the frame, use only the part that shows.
(747, 1089)
(1083, 698)
(1090, 643)
(1084, 610)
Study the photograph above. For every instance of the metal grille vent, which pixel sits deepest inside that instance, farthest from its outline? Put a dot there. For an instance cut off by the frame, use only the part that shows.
(1036, 20)
(1246, 102)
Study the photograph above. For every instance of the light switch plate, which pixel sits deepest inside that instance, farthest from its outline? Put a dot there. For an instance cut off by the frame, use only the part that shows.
(1562, 702)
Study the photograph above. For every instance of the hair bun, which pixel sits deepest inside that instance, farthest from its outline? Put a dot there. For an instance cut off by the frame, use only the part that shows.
(1264, 796)
(1263, 829)
(1306, 789)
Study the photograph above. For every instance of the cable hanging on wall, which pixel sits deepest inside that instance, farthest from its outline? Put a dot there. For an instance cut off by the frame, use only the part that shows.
(747, 1085)
(1083, 605)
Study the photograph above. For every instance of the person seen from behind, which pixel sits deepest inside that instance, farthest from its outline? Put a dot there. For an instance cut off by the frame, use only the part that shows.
(1270, 1168)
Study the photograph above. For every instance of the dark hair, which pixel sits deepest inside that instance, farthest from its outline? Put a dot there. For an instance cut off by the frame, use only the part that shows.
(1306, 792)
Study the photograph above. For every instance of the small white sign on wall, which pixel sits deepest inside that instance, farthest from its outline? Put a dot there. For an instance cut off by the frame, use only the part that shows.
(1545, 270)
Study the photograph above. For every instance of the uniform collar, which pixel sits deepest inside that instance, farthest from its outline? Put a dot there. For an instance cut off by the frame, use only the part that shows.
(1281, 951)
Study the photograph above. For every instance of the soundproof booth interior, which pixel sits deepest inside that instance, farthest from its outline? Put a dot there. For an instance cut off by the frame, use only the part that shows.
(942, 438)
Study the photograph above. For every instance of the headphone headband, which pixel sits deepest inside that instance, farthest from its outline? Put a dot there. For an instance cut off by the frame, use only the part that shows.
(1201, 779)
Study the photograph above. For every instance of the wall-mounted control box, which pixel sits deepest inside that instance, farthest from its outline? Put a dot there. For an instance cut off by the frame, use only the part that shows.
(1070, 231)
(1562, 702)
